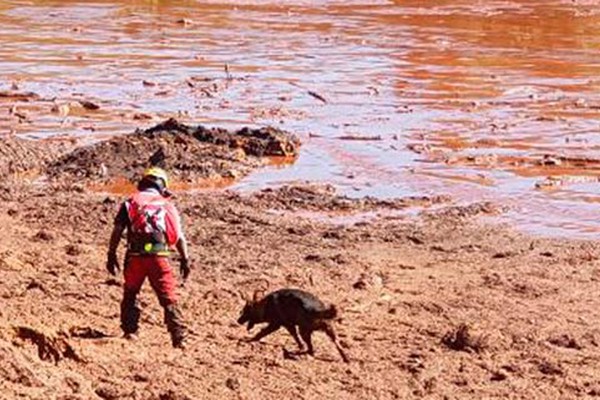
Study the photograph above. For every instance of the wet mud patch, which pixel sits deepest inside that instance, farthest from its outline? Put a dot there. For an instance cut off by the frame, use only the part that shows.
(190, 154)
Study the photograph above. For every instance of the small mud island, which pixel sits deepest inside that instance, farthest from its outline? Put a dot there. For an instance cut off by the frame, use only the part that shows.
(433, 302)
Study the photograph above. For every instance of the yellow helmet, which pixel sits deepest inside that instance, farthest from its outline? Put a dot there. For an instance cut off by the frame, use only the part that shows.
(158, 173)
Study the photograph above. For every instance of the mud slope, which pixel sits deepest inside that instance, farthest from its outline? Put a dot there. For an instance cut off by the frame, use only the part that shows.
(435, 306)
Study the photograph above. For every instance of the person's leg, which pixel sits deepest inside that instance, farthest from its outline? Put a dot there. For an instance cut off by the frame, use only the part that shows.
(164, 282)
(134, 273)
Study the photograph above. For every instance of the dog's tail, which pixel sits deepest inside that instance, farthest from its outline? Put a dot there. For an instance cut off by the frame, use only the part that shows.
(328, 313)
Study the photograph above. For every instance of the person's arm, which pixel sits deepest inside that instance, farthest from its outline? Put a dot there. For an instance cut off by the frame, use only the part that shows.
(115, 237)
(181, 246)
(184, 258)
(112, 263)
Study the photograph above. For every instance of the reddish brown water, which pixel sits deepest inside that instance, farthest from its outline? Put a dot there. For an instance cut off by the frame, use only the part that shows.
(457, 97)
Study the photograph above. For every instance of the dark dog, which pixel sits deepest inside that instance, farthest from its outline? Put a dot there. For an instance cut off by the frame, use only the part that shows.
(291, 309)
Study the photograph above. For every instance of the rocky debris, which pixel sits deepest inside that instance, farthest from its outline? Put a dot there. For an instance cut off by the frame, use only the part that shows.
(260, 142)
(463, 339)
(189, 153)
(369, 280)
(73, 250)
(33, 284)
(556, 181)
(551, 160)
(566, 341)
(549, 367)
(111, 392)
(85, 332)
(232, 383)
(498, 376)
(44, 236)
(317, 197)
(88, 105)
(18, 96)
(172, 395)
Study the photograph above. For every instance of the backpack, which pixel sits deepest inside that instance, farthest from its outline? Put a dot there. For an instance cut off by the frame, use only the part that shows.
(153, 225)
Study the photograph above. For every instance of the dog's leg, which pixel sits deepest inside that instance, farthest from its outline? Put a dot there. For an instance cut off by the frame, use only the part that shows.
(328, 329)
(265, 332)
(306, 333)
(294, 332)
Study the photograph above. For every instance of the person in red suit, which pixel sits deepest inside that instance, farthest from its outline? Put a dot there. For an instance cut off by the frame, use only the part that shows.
(153, 230)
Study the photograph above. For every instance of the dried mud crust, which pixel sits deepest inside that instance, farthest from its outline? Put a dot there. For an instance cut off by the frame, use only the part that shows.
(189, 153)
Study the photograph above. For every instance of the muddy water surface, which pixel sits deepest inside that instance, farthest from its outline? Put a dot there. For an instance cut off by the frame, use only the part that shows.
(479, 100)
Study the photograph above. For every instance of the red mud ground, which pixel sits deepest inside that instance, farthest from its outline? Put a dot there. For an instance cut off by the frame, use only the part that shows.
(437, 305)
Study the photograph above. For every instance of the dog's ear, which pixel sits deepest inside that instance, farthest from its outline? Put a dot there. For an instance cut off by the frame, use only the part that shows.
(258, 294)
(245, 296)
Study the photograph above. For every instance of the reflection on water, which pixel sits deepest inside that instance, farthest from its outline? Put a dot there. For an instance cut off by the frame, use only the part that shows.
(466, 97)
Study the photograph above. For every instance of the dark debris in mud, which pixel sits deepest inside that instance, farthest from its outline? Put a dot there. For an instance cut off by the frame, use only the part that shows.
(262, 142)
(189, 153)
(463, 339)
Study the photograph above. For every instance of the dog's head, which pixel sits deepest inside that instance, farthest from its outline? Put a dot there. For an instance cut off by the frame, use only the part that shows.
(252, 312)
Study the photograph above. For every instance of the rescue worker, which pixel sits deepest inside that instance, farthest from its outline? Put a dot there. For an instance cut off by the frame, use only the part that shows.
(153, 228)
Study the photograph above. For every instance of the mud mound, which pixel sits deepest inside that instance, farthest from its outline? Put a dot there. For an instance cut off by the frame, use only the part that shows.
(18, 156)
(261, 142)
(325, 198)
(189, 153)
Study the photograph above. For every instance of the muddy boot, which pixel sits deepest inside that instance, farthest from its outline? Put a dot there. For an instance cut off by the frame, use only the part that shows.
(175, 325)
(130, 314)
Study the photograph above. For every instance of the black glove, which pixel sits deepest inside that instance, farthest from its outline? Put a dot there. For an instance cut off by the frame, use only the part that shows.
(112, 264)
(184, 268)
